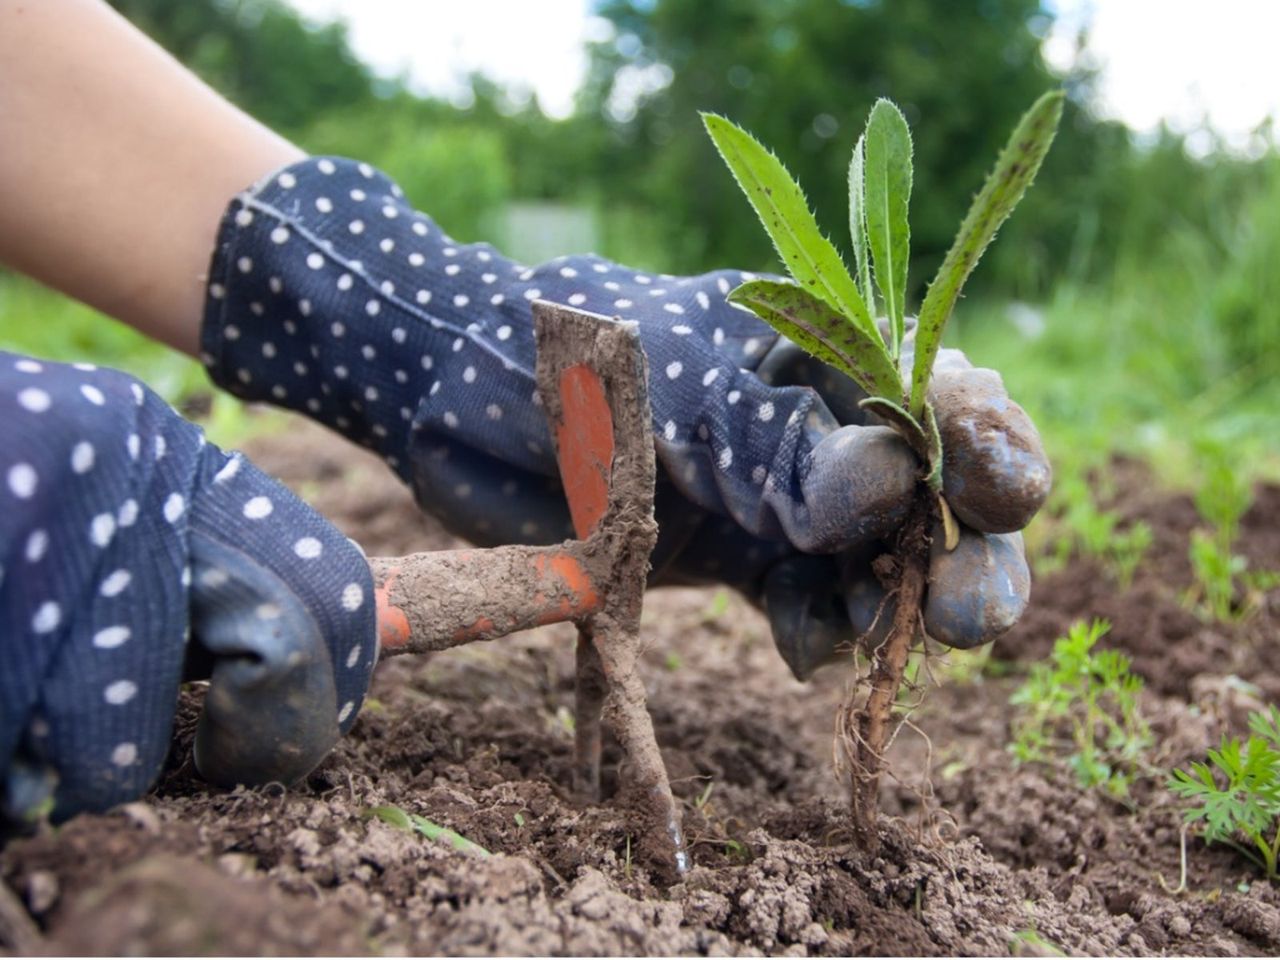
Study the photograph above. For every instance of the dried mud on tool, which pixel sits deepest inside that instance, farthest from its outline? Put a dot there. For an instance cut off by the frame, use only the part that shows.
(592, 377)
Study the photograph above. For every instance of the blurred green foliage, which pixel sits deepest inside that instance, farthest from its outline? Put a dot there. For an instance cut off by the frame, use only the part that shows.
(459, 172)
(801, 76)
(260, 54)
(35, 321)
(1132, 302)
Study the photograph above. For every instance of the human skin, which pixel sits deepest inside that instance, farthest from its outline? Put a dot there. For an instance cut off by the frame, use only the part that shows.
(117, 164)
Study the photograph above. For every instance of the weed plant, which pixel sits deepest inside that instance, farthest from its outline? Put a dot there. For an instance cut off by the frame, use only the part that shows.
(833, 313)
(1237, 792)
(1080, 710)
(1225, 587)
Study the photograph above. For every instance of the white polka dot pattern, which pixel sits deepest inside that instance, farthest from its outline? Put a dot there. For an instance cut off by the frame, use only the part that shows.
(99, 596)
(421, 349)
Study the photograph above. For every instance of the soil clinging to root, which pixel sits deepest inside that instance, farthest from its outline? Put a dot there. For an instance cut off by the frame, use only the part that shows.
(479, 739)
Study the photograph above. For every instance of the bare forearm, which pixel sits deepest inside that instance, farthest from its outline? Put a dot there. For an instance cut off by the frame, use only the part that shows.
(117, 164)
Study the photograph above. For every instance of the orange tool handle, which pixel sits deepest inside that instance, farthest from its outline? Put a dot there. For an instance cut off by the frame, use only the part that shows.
(433, 601)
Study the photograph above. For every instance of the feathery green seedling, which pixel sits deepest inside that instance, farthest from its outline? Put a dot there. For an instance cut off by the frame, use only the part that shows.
(832, 315)
(1087, 530)
(1081, 709)
(1223, 579)
(1238, 792)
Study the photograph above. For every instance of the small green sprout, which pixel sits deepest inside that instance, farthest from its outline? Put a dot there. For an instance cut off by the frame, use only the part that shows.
(1030, 939)
(718, 606)
(1224, 583)
(1081, 709)
(702, 799)
(1091, 531)
(566, 720)
(412, 822)
(1238, 792)
(737, 851)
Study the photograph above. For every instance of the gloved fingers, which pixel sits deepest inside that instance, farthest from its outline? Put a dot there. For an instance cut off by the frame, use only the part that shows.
(271, 710)
(282, 607)
(977, 591)
(810, 625)
(996, 474)
(819, 607)
(858, 487)
(95, 475)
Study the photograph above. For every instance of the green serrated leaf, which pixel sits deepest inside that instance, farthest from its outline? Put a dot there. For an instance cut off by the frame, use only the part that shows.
(777, 199)
(1015, 169)
(902, 422)
(858, 223)
(888, 195)
(819, 329)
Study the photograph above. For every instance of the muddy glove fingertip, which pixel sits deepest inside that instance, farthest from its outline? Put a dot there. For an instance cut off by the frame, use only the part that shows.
(282, 614)
(996, 474)
(859, 487)
(977, 591)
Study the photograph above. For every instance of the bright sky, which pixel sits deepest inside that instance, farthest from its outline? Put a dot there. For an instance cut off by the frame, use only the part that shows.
(1180, 60)
(534, 44)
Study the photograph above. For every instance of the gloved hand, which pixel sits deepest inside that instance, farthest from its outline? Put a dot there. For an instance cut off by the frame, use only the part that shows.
(330, 294)
(135, 556)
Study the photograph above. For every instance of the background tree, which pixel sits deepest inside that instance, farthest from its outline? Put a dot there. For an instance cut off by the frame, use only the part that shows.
(801, 74)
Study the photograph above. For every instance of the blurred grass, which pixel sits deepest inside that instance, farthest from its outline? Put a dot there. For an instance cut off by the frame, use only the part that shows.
(1176, 352)
(1093, 393)
(1165, 355)
(35, 320)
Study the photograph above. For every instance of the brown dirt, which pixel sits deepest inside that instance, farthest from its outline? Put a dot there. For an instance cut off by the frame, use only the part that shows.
(1003, 860)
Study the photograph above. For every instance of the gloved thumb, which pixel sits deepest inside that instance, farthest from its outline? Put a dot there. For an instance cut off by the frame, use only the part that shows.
(282, 620)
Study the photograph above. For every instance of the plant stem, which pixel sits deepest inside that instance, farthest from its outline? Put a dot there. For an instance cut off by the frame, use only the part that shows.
(874, 722)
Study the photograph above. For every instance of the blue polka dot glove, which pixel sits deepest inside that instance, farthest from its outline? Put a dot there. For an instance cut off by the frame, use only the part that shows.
(136, 556)
(330, 294)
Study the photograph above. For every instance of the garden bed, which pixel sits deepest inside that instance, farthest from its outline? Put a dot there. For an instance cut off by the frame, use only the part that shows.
(479, 739)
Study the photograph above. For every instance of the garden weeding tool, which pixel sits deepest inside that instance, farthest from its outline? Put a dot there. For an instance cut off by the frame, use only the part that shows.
(592, 380)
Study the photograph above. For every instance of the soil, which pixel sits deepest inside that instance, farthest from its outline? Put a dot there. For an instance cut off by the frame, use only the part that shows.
(985, 858)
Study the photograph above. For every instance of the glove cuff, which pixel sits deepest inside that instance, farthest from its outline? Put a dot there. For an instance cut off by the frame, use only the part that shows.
(329, 295)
